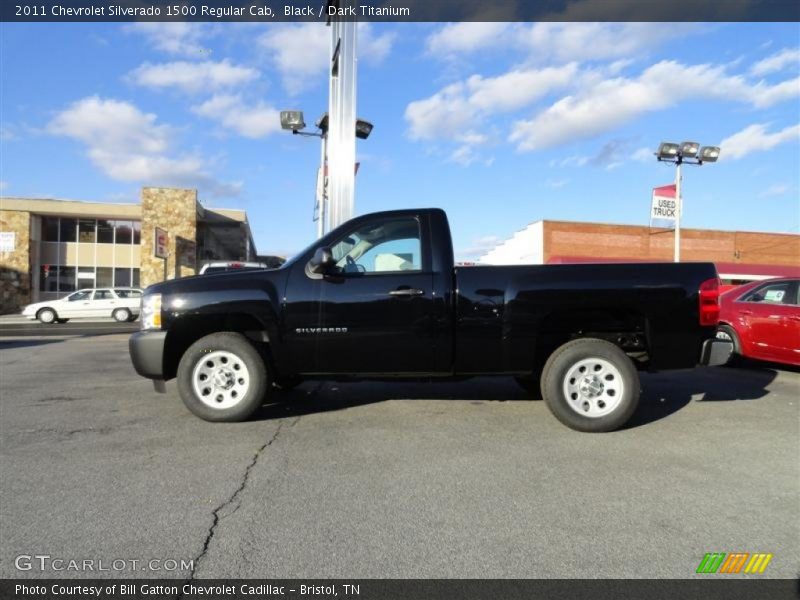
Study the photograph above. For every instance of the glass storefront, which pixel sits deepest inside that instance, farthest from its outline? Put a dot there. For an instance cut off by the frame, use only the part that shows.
(81, 253)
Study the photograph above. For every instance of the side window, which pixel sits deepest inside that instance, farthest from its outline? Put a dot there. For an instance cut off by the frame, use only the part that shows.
(82, 295)
(773, 293)
(380, 247)
(103, 295)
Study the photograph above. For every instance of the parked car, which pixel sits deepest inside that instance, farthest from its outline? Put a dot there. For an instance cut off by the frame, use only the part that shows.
(762, 320)
(379, 297)
(229, 265)
(120, 303)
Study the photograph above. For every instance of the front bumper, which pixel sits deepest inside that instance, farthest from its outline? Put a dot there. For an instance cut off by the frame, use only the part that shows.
(147, 353)
(716, 352)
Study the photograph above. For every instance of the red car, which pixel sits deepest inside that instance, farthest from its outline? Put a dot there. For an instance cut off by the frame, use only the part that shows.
(762, 319)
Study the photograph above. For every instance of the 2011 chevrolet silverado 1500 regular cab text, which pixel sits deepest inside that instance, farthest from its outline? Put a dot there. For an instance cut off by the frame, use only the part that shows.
(379, 297)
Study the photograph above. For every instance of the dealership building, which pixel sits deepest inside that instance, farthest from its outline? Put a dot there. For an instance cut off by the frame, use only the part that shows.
(49, 248)
(739, 255)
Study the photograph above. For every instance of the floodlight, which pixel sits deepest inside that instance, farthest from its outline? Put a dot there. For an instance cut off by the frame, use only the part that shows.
(709, 154)
(689, 149)
(363, 129)
(322, 123)
(667, 150)
(292, 119)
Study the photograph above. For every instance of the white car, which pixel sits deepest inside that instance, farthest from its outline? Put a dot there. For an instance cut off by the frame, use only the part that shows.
(120, 303)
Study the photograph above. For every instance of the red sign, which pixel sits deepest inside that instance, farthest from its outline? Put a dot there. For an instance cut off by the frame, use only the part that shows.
(160, 245)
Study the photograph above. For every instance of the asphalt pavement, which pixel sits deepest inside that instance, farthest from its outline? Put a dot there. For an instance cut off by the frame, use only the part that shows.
(379, 480)
(13, 326)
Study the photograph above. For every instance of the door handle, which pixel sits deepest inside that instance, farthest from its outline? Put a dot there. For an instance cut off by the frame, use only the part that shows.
(745, 312)
(406, 292)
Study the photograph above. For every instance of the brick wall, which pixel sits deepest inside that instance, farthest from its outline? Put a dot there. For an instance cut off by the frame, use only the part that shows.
(564, 239)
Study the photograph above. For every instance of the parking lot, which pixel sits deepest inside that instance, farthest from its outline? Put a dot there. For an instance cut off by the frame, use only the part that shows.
(467, 479)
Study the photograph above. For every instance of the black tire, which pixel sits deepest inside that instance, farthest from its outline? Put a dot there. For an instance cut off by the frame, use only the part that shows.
(288, 383)
(729, 333)
(59, 321)
(612, 411)
(121, 315)
(213, 345)
(531, 385)
(48, 316)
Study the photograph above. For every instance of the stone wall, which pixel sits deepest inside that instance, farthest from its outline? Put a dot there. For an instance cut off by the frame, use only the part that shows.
(175, 211)
(15, 277)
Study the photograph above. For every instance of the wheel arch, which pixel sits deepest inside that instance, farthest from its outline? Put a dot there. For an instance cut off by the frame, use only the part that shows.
(626, 328)
(188, 329)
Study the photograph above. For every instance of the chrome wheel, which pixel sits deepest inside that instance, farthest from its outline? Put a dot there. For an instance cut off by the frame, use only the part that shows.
(724, 335)
(593, 387)
(47, 316)
(220, 379)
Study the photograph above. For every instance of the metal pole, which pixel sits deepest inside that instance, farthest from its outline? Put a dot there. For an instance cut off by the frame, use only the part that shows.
(678, 210)
(323, 198)
(342, 121)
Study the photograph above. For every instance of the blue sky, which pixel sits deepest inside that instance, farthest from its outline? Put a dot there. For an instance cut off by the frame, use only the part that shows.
(500, 124)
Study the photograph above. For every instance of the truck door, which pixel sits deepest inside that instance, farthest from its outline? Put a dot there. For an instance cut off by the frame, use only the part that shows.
(372, 314)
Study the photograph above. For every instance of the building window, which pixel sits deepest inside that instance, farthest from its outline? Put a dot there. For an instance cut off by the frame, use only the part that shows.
(66, 279)
(86, 233)
(67, 228)
(137, 232)
(104, 277)
(135, 278)
(124, 233)
(53, 278)
(50, 229)
(105, 231)
(122, 277)
(48, 279)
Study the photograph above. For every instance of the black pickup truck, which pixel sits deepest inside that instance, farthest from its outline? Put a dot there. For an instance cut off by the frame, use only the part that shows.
(379, 298)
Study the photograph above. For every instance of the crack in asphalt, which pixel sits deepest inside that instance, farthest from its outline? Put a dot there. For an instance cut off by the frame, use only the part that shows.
(216, 518)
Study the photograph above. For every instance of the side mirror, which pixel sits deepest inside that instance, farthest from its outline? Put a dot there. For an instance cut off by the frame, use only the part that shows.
(322, 261)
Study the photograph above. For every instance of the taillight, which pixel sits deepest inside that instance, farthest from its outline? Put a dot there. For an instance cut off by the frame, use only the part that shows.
(709, 302)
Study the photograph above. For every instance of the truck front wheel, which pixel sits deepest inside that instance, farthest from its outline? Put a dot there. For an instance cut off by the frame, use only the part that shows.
(590, 385)
(222, 377)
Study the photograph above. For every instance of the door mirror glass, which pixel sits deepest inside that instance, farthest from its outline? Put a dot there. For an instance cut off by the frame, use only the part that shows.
(322, 261)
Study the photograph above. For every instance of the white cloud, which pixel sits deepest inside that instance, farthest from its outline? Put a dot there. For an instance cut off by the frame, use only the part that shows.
(193, 76)
(458, 110)
(557, 41)
(789, 57)
(556, 184)
(129, 145)
(777, 189)
(756, 138)
(465, 37)
(174, 37)
(480, 246)
(610, 103)
(643, 155)
(301, 51)
(254, 121)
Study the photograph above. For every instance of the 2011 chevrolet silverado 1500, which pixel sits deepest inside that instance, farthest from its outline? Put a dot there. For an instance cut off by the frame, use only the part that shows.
(379, 297)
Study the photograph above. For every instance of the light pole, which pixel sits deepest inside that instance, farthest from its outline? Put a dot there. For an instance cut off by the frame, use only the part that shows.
(692, 154)
(293, 120)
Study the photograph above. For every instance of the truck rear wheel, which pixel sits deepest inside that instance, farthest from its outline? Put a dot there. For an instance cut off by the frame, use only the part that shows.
(222, 377)
(591, 385)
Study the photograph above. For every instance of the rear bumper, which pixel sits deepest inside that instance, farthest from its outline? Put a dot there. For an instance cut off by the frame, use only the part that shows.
(716, 352)
(147, 353)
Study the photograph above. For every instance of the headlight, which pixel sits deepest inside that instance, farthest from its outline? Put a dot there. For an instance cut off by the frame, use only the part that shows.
(151, 311)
